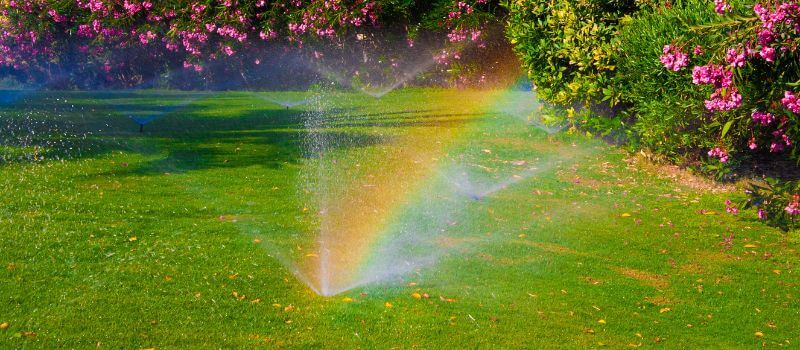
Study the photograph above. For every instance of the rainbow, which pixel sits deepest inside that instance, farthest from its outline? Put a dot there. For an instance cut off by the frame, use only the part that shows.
(367, 203)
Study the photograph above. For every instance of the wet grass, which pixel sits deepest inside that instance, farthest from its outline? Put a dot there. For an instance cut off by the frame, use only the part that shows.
(169, 238)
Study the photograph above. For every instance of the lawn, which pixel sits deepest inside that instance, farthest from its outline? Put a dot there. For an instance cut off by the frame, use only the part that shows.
(192, 233)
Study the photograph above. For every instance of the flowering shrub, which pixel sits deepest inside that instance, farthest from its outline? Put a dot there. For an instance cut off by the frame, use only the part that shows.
(119, 39)
(775, 202)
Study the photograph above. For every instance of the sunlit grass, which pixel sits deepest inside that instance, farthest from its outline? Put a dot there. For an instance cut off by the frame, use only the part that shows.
(170, 238)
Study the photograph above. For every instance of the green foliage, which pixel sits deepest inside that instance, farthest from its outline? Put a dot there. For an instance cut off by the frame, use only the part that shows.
(567, 46)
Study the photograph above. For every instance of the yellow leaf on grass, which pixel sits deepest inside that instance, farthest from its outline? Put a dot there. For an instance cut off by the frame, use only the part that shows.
(416, 295)
(601, 321)
(663, 310)
(347, 299)
(750, 245)
(4, 325)
(625, 215)
(133, 239)
(759, 334)
(388, 305)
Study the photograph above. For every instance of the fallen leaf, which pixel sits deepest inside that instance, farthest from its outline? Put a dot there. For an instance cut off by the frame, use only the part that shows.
(3, 325)
(256, 241)
(388, 305)
(133, 239)
(416, 295)
(601, 321)
(750, 246)
(289, 308)
(663, 310)
(625, 215)
(759, 334)
(347, 299)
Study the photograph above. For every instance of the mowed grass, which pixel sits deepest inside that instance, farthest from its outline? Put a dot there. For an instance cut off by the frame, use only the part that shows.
(170, 238)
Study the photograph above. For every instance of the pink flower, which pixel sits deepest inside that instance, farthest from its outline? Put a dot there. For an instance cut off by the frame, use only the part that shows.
(698, 50)
(722, 100)
(712, 74)
(767, 53)
(721, 7)
(735, 58)
(730, 208)
(794, 206)
(791, 102)
(763, 117)
(673, 58)
(719, 153)
(762, 214)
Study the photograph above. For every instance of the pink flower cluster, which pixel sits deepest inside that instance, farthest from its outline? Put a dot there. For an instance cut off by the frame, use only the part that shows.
(736, 58)
(724, 100)
(793, 208)
(791, 102)
(673, 58)
(712, 74)
(730, 208)
(779, 140)
(459, 35)
(721, 7)
(719, 153)
(764, 118)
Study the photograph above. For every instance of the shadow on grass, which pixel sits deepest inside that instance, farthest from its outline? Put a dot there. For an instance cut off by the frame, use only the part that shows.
(211, 131)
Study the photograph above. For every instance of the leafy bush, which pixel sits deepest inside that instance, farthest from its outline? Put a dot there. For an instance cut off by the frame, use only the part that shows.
(777, 202)
(567, 47)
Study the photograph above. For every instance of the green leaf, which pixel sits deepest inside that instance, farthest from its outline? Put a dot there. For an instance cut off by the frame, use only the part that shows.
(727, 127)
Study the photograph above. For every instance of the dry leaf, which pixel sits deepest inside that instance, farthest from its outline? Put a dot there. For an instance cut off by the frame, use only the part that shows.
(759, 334)
(3, 325)
(347, 299)
(416, 295)
(388, 305)
(133, 239)
(663, 310)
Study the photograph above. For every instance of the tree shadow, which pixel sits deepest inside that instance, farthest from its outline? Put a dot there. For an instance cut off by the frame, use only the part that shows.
(215, 131)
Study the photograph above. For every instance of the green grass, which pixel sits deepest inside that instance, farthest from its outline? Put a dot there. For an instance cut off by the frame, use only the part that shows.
(593, 251)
